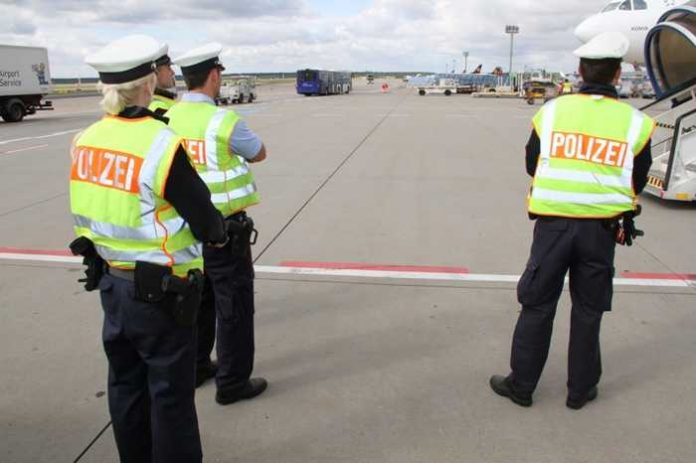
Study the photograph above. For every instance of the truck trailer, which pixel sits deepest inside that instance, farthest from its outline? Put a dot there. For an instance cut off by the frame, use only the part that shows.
(25, 79)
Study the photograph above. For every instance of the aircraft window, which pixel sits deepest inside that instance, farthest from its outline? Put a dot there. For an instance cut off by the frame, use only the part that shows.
(611, 7)
(625, 5)
(640, 5)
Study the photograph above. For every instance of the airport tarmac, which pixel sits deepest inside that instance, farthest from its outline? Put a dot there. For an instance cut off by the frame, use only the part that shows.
(393, 228)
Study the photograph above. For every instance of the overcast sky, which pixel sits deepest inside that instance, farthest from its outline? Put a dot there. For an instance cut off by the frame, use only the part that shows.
(285, 35)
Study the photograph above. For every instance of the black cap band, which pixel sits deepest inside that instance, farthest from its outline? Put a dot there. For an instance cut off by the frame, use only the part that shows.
(163, 60)
(127, 76)
(203, 66)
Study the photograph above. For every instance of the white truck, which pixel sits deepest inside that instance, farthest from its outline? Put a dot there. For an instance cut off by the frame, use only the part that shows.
(25, 79)
(241, 90)
(444, 85)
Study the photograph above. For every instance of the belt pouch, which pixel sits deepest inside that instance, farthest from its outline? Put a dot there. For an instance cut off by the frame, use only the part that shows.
(148, 281)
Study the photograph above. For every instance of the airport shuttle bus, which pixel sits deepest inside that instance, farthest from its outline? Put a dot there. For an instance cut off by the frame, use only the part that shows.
(318, 82)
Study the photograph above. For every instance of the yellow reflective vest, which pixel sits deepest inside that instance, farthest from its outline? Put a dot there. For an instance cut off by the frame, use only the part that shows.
(207, 130)
(161, 103)
(119, 172)
(585, 166)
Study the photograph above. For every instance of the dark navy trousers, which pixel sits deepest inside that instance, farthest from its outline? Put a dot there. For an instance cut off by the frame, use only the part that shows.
(151, 378)
(230, 297)
(584, 249)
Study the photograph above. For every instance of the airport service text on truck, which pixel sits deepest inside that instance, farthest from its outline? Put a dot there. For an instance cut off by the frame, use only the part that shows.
(24, 80)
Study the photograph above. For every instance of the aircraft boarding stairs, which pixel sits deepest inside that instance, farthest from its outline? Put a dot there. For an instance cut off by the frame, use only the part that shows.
(670, 52)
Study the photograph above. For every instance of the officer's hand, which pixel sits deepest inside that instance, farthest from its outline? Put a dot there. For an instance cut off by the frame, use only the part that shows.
(221, 244)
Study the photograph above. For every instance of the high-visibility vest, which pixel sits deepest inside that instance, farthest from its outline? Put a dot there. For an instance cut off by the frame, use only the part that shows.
(206, 130)
(585, 167)
(119, 172)
(161, 103)
(567, 88)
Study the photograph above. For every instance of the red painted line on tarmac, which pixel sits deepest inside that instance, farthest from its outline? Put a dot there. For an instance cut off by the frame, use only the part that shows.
(659, 276)
(377, 267)
(36, 252)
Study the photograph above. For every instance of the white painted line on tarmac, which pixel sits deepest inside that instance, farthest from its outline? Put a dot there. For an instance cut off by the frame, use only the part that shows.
(40, 258)
(23, 149)
(370, 274)
(40, 137)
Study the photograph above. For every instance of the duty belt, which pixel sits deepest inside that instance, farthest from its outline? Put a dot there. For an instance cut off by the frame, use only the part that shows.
(128, 275)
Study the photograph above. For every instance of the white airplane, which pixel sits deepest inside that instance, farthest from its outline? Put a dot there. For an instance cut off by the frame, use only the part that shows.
(633, 18)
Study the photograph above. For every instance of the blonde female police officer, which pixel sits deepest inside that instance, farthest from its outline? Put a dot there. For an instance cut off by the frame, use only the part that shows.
(221, 145)
(589, 155)
(136, 197)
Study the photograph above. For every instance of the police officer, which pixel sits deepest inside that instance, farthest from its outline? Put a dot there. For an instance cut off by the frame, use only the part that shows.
(165, 96)
(140, 212)
(589, 156)
(220, 146)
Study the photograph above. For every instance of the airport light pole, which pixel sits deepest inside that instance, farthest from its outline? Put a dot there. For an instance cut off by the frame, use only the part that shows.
(512, 30)
(466, 60)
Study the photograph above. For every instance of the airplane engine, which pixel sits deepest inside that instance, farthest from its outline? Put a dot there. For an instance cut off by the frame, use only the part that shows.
(670, 50)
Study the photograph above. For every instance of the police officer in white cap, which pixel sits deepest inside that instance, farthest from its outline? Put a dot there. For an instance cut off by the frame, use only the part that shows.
(221, 146)
(165, 92)
(141, 213)
(589, 156)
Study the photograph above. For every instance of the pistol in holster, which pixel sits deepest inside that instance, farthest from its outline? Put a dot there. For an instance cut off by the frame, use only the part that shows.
(84, 247)
(241, 231)
(156, 283)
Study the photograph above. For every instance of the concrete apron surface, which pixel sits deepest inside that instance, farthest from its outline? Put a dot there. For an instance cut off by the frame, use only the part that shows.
(360, 369)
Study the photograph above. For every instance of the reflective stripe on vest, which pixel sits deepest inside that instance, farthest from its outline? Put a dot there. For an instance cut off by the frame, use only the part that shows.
(585, 166)
(120, 169)
(207, 130)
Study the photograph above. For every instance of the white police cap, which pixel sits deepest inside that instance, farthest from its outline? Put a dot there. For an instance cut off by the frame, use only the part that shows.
(605, 45)
(127, 59)
(200, 59)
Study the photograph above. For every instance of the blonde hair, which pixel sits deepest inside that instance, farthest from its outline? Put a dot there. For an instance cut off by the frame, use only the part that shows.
(116, 97)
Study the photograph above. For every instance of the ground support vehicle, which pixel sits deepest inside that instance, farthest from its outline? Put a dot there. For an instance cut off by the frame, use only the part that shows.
(25, 79)
(241, 90)
(539, 89)
(441, 85)
(673, 172)
(319, 82)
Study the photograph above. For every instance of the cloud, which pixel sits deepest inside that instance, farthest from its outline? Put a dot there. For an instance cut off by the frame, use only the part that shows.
(137, 11)
(283, 35)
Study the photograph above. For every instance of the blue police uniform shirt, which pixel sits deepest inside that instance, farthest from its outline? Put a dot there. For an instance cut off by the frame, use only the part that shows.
(243, 142)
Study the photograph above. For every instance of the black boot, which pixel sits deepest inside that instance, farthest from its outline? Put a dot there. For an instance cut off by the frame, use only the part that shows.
(578, 403)
(248, 390)
(502, 386)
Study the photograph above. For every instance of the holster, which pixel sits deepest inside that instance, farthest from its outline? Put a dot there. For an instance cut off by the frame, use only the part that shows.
(624, 228)
(240, 228)
(155, 283)
(84, 247)
(187, 296)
